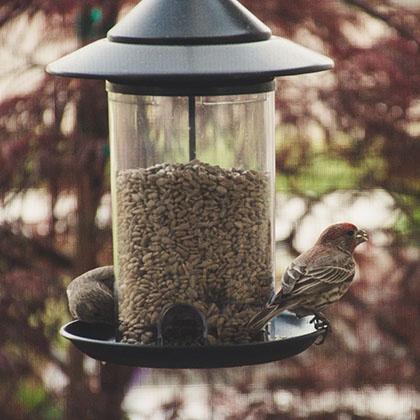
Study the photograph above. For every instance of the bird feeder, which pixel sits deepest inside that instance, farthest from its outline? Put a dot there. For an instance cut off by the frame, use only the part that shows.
(191, 116)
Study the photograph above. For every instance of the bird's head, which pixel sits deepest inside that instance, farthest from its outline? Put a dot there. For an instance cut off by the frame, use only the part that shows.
(345, 236)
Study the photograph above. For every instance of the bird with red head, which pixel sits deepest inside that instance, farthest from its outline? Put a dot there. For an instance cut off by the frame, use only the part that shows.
(316, 278)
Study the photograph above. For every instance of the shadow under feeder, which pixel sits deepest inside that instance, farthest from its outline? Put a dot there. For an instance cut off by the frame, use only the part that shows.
(191, 111)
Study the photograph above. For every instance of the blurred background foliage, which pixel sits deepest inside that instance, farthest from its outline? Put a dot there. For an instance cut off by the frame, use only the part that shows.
(344, 135)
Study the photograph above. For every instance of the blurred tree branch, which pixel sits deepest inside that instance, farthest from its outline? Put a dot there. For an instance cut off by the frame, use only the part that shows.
(402, 28)
(24, 252)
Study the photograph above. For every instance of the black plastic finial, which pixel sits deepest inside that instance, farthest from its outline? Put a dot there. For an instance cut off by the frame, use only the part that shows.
(189, 22)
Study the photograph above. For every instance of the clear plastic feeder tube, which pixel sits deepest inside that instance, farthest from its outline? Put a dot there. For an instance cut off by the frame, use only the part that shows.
(193, 194)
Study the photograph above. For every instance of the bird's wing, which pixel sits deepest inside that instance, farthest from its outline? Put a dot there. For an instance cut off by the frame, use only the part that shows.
(100, 298)
(299, 279)
(292, 275)
(331, 274)
(91, 301)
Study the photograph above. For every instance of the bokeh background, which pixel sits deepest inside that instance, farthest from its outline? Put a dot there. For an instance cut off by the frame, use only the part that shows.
(348, 148)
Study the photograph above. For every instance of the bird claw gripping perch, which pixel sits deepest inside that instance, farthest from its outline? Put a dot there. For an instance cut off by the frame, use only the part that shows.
(321, 323)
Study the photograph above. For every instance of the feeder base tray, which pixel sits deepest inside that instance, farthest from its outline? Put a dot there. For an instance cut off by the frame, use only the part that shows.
(289, 336)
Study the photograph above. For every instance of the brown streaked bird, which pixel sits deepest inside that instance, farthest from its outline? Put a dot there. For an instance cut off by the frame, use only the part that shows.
(91, 296)
(317, 277)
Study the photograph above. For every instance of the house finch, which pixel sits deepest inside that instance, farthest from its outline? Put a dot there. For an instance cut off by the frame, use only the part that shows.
(316, 278)
(91, 296)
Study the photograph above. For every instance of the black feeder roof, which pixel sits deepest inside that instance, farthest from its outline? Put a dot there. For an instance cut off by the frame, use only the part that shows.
(186, 42)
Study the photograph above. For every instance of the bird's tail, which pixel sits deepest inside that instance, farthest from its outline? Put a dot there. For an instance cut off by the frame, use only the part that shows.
(258, 321)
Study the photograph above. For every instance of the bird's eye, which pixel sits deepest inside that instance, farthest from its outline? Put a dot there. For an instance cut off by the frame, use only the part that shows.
(350, 233)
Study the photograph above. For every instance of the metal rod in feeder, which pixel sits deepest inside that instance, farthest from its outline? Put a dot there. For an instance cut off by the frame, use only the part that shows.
(191, 125)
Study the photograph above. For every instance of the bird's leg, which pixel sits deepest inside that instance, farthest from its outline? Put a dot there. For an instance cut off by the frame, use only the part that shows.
(321, 323)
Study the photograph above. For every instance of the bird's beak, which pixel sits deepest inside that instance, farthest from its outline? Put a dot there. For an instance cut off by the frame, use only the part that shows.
(361, 236)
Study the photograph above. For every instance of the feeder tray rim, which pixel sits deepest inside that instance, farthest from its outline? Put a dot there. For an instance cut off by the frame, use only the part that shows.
(64, 333)
(299, 334)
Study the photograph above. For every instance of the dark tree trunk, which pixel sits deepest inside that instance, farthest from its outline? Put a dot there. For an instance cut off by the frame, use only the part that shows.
(113, 382)
(79, 397)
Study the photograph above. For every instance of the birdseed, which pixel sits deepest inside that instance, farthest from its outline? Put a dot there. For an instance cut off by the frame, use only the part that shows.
(197, 234)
